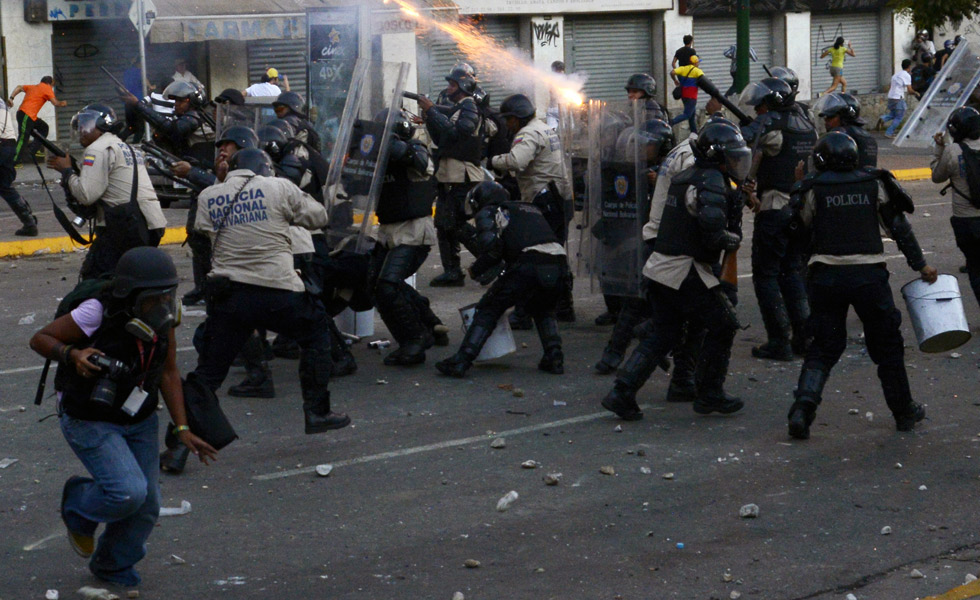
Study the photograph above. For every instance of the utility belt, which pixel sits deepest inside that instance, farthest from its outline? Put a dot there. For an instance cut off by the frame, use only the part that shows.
(8, 143)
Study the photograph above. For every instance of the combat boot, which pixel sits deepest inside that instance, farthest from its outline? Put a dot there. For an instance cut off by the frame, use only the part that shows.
(898, 396)
(457, 364)
(314, 377)
(630, 378)
(710, 374)
(408, 354)
(23, 211)
(29, 229)
(258, 381)
(553, 360)
(318, 418)
(448, 278)
(776, 321)
(808, 394)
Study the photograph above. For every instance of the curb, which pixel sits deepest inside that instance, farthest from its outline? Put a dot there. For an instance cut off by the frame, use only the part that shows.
(912, 174)
(64, 244)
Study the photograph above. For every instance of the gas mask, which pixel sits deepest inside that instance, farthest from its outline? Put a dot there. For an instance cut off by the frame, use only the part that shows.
(154, 312)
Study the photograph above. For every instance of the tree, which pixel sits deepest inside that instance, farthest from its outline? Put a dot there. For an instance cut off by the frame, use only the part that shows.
(932, 14)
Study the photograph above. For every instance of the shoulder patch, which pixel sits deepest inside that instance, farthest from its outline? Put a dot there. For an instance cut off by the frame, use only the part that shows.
(88, 160)
(518, 139)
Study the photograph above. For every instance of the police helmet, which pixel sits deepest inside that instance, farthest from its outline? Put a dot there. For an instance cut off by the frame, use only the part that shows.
(720, 118)
(771, 92)
(723, 145)
(180, 90)
(643, 82)
(788, 75)
(838, 104)
(518, 106)
(272, 140)
(291, 100)
(292, 168)
(285, 126)
(658, 138)
(240, 135)
(487, 193)
(924, 32)
(836, 151)
(463, 77)
(105, 119)
(400, 126)
(963, 124)
(143, 268)
(253, 159)
(948, 44)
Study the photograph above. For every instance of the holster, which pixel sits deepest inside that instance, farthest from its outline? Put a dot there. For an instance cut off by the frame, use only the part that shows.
(217, 290)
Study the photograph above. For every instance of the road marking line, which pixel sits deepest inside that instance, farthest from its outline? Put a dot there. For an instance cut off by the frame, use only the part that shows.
(39, 367)
(439, 445)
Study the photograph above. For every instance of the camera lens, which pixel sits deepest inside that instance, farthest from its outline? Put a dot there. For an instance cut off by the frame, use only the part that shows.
(104, 392)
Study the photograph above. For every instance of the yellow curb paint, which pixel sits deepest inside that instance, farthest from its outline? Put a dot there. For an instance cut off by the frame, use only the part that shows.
(963, 592)
(56, 245)
(912, 174)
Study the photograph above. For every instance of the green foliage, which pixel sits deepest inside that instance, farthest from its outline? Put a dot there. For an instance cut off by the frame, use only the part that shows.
(932, 14)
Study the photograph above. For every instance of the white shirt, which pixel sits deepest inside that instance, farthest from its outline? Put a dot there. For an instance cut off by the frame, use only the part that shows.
(900, 82)
(263, 89)
(8, 124)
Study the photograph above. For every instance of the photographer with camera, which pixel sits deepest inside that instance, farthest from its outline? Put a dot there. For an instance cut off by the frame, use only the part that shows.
(117, 354)
(113, 187)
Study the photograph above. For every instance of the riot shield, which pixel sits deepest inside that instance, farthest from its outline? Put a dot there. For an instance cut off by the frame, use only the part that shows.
(618, 202)
(573, 136)
(255, 112)
(360, 154)
(951, 89)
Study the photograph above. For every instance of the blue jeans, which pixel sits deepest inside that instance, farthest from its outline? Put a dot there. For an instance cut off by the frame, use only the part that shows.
(123, 492)
(896, 111)
(689, 114)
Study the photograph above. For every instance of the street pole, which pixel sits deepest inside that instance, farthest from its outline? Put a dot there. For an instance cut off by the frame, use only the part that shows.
(142, 35)
(742, 46)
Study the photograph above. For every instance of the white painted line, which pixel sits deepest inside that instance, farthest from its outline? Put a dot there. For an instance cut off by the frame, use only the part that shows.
(39, 367)
(440, 445)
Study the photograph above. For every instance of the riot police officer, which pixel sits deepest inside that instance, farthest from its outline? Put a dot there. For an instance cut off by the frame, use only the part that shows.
(954, 163)
(693, 232)
(185, 132)
(405, 234)
(842, 207)
(842, 112)
(459, 136)
(516, 237)
(642, 86)
(290, 107)
(252, 284)
(783, 137)
(534, 160)
(112, 178)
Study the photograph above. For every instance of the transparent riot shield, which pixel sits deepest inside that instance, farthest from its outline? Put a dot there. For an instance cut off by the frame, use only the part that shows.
(573, 136)
(256, 110)
(618, 202)
(951, 89)
(360, 154)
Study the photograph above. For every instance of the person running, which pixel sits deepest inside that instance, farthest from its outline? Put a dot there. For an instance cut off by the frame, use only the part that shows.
(836, 54)
(27, 120)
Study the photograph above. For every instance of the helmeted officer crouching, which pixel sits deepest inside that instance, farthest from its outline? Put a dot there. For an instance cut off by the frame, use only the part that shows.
(117, 357)
(516, 237)
(112, 183)
(842, 208)
(252, 284)
(693, 232)
(405, 235)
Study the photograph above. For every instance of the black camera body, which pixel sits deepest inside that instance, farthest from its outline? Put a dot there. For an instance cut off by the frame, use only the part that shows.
(105, 388)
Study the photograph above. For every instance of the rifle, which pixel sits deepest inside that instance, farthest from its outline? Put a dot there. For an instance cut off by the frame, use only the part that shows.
(83, 213)
(119, 86)
(161, 161)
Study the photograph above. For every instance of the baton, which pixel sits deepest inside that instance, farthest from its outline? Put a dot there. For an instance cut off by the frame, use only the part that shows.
(120, 86)
(705, 84)
(766, 69)
(412, 96)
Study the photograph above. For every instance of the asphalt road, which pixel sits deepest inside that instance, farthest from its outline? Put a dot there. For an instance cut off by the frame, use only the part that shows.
(415, 484)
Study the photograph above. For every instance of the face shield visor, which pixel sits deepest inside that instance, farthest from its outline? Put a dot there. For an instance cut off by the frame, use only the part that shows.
(83, 124)
(154, 312)
(738, 161)
(752, 96)
(653, 147)
(829, 106)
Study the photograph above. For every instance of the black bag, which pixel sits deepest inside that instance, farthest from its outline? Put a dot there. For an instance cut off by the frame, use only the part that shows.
(676, 93)
(204, 415)
(971, 164)
(896, 193)
(125, 224)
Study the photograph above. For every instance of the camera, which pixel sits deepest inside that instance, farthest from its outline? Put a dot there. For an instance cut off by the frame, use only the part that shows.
(113, 370)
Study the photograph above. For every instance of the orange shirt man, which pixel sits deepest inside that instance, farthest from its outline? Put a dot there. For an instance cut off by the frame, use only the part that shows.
(34, 98)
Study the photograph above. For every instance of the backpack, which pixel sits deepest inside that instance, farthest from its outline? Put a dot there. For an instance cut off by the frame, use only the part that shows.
(87, 289)
(971, 165)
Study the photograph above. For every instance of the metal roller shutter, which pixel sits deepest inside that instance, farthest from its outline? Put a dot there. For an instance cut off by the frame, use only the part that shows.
(286, 56)
(713, 36)
(608, 48)
(860, 71)
(80, 48)
(438, 54)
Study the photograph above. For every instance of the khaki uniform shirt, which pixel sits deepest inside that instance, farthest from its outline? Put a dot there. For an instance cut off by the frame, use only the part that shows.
(809, 210)
(947, 165)
(534, 159)
(671, 271)
(107, 175)
(680, 158)
(248, 225)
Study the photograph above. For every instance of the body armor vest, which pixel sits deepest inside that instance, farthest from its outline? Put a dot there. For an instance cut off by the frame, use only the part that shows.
(469, 149)
(403, 199)
(526, 227)
(799, 137)
(680, 232)
(845, 220)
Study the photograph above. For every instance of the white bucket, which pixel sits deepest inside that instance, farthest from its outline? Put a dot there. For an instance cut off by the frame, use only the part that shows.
(501, 341)
(360, 324)
(937, 313)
